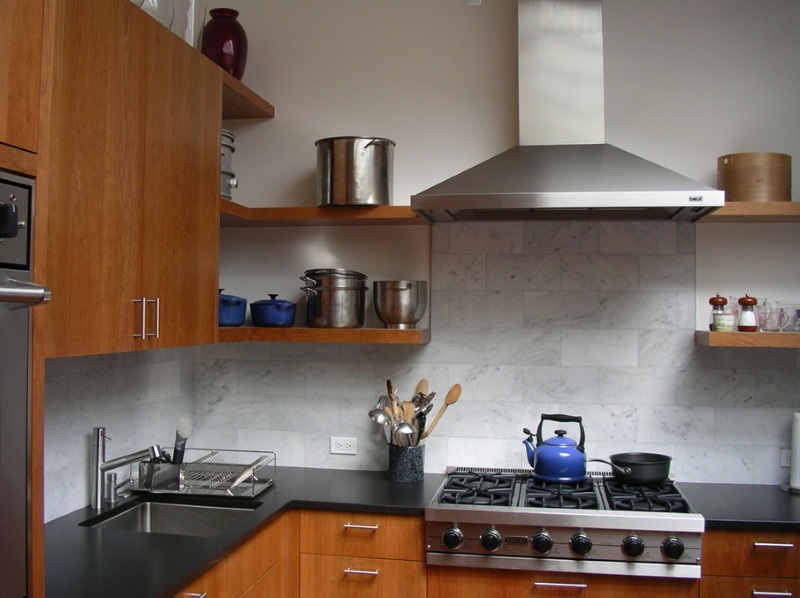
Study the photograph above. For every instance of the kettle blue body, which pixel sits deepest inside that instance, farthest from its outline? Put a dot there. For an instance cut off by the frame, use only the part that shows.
(560, 458)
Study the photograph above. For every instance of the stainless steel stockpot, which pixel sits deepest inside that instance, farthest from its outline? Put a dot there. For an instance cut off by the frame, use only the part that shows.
(335, 298)
(354, 171)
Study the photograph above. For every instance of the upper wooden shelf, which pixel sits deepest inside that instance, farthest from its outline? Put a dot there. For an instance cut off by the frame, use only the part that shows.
(236, 215)
(239, 101)
(414, 336)
(742, 211)
(788, 340)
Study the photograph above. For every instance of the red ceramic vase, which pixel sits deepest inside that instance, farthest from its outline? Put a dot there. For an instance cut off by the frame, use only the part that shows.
(225, 42)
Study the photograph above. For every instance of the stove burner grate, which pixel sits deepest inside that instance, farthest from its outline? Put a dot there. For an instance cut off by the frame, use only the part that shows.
(478, 488)
(555, 495)
(663, 497)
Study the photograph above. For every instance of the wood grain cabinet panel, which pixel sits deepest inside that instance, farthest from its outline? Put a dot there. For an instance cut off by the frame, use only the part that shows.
(750, 553)
(491, 583)
(21, 24)
(747, 587)
(257, 556)
(362, 534)
(129, 167)
(210, 584)
(358, 577)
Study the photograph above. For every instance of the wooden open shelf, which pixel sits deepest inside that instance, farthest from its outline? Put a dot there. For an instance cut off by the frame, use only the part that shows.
(236, 215)
(787, 340)
(239, 101)
(384, 336)
(743, 211)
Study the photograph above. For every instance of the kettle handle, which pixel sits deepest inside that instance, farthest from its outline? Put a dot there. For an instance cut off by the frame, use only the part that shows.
(561, 418)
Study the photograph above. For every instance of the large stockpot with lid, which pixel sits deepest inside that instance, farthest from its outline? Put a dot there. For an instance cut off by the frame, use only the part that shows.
(354, 171)
(335, 298)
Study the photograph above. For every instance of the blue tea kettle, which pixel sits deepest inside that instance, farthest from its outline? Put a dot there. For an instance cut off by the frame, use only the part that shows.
(560, 458)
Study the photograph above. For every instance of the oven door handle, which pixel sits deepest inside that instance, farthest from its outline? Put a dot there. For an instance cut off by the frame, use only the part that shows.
(19, 291)
(553, 584)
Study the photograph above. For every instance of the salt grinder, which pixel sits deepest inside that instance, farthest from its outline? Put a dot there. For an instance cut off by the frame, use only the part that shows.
(747, 316)
(720, 320)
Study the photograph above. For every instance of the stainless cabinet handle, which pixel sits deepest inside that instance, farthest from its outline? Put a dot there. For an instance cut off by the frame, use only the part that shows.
(783, 545)
(143, 334)
(349, 571)
(759, 593)
(157, 302)
(195, 595)
(552, 584)
(356, 526)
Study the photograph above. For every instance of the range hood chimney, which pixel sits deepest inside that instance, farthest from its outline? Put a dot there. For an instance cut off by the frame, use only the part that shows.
(562, 168)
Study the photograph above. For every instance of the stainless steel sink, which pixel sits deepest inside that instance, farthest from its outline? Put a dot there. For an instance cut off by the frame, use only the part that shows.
(172, 518)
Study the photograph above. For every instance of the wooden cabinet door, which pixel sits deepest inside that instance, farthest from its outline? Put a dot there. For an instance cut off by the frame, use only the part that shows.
(91, 165)
(181, 191)
(20, 72)
(357, 577)
(210, 584)
(490, 583)
(750, 553)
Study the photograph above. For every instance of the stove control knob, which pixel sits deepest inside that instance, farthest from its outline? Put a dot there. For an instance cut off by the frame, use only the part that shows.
(453, 538)
(542, 543)
(672, 548)
(580, 544)
(633, 546)
(491, 540)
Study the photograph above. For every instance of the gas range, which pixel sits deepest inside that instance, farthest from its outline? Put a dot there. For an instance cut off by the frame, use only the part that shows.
(508, 519)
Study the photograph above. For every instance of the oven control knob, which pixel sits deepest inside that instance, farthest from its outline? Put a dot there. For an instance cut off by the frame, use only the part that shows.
(672, 548)
(542, 543)
(453, 538)
(580, 544)
(491, 540)
(633, 546)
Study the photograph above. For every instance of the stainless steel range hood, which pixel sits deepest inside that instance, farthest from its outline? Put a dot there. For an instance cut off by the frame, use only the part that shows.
(563, 169)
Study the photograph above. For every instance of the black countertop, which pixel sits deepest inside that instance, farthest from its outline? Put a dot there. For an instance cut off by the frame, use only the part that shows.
(86, 562)
(90, 563)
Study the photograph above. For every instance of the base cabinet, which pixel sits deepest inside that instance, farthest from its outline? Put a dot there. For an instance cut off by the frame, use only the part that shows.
(445, 582)
(350, 555)
(750, 563)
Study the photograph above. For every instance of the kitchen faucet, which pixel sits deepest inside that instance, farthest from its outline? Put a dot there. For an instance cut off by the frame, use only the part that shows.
(100, 466)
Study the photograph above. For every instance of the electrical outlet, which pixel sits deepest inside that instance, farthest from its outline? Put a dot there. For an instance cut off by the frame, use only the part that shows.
(343, 446)
(786, 458)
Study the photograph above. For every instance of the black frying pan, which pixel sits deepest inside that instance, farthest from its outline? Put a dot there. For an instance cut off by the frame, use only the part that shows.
(645, 468)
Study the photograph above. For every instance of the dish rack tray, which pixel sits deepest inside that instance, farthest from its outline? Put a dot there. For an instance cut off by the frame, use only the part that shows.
(211, 472)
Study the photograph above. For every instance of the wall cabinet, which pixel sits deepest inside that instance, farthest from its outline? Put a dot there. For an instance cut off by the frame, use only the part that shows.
(348, 554)
(21, 24)
(750, 563)
(130, 175)
(489, 583)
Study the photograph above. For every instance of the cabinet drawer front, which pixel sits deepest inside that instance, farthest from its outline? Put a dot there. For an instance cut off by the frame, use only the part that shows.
(750, 553)
(363, 534)
(747, 587)
(342, 577)
(444, 582)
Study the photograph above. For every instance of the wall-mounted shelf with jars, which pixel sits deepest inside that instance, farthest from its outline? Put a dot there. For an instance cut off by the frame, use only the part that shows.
(790, 340)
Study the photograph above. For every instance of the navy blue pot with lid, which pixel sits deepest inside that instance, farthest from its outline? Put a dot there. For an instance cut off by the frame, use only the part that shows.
(273, 312)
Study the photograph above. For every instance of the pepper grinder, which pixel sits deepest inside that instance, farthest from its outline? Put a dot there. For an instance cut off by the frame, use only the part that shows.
(747, 316)
(720, 320)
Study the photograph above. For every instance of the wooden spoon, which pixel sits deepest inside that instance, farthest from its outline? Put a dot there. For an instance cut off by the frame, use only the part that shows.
(452, 397)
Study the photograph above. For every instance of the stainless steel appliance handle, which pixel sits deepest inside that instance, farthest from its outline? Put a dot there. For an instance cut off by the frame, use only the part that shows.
(759, 593)
(349, 571)
(356, 526)
(783, 545)
(157, 333)
(553, 584)
(195, 594)
(143, 334)
(19, 291)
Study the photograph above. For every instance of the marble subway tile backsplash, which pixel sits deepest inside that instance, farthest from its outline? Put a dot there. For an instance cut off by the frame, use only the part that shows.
(588, 318)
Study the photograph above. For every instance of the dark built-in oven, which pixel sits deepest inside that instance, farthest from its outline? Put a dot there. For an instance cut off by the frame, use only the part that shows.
(17, 295)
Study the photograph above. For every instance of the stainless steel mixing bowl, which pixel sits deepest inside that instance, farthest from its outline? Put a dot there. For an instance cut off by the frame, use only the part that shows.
(400, 303)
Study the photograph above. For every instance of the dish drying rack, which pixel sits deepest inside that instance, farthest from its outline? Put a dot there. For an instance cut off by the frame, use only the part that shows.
(210, 472)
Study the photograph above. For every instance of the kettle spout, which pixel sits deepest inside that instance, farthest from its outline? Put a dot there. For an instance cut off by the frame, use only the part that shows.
(529, 446)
